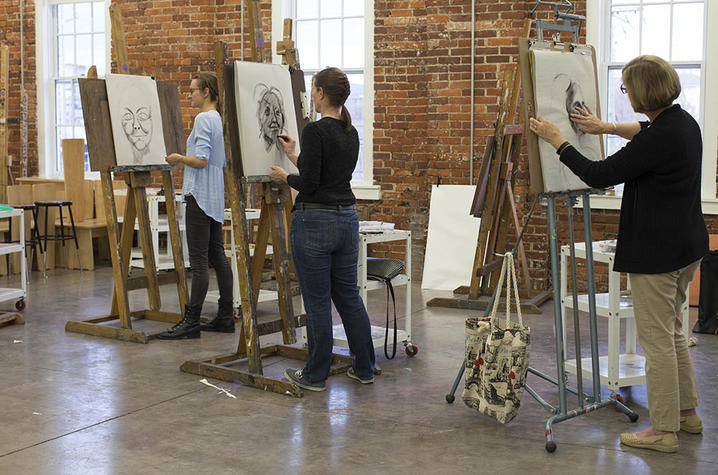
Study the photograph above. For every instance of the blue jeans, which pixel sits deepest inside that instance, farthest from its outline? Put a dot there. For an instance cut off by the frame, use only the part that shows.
(325, 249)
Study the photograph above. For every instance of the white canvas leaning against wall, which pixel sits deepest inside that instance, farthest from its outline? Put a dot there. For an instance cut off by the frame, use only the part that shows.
(561, 81)
(265, 109)
(451, 238)
(136, 120)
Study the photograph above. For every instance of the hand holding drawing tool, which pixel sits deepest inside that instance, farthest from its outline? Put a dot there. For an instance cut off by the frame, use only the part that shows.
(289, 146)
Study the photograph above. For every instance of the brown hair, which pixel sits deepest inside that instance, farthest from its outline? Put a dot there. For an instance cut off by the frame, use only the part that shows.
(651, 82)
(335, 84)
(209, 81)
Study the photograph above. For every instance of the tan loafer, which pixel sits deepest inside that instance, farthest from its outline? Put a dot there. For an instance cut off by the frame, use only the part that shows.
(692, 424)
(662, 442)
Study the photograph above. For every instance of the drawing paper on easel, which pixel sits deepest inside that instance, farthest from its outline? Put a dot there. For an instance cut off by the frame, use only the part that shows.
(561, 81)
(136, 120)
(265, 109)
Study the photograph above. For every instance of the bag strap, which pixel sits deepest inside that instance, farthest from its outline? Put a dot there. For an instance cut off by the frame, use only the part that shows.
(389, 289)
(508, 270)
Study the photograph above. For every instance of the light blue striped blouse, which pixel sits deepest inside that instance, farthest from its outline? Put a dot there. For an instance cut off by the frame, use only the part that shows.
(206, 142)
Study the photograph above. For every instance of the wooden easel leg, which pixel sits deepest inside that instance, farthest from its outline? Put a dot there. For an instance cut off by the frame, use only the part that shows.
(139, 181)
(128, 230)
(260, 250)
(119, 271)
(280, 259)
(522, 252)
(175, 238)
(249, 337)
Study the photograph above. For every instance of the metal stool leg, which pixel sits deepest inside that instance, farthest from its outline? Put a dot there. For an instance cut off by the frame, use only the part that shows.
(74, 235)
(44, 254)
(35, 237)
(62, 237)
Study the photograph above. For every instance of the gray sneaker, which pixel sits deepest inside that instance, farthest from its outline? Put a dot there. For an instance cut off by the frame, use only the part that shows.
(354, 376)
(296, 377)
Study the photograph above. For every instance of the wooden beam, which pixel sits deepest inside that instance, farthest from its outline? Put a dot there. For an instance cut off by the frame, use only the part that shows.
(119, 45)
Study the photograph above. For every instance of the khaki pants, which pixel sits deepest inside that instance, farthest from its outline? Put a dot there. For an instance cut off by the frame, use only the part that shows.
(670, 379)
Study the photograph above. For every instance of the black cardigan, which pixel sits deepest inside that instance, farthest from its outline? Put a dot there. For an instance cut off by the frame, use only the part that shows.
(326, 162)
(661, 227)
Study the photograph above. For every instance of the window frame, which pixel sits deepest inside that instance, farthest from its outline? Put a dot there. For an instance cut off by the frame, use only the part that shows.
(285, 9)
(46, 51)
(598, 34)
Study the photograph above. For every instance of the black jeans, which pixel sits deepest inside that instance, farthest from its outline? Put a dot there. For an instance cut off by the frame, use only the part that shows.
(206, 245)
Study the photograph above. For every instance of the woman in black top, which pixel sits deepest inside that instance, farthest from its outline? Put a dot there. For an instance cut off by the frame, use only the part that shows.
(661, 235)
(325, 233)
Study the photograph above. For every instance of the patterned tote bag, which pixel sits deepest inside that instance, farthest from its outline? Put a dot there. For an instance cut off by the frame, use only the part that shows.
(498, 354)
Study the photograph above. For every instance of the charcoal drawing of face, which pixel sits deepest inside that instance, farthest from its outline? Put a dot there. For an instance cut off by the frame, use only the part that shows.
(137, 125)
(270, 114)
(573, 97)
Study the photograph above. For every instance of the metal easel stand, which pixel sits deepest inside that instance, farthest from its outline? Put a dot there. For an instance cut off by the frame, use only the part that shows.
(561, 413)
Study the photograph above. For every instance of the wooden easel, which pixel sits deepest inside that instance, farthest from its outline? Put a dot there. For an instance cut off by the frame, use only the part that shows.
(274, 218)
(496, 206)
(102, 157)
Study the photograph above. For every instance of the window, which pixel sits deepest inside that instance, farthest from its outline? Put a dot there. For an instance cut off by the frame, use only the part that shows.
(334, 33)
(76, 38)
(676, 30)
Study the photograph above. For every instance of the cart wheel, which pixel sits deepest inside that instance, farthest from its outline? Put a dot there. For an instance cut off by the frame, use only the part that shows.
(633, 417)
(550, 446)
(450, 398)
(411, 350)
(20, 305)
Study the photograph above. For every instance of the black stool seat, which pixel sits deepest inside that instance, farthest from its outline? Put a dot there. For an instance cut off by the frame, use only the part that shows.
(53, 203)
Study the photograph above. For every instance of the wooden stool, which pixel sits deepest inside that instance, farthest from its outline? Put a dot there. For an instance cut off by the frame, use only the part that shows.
(54, 236)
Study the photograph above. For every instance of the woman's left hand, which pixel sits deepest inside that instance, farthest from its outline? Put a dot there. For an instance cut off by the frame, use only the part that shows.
(547, 131)
(278, 175)
(173, 158)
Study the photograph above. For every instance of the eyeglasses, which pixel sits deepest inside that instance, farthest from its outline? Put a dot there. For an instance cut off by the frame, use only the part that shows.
(623, 89)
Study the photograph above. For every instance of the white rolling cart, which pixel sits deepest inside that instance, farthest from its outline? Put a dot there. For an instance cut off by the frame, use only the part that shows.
(617, 369)
(365, 285)
(160, 224)
(264, 295)
(16, 294)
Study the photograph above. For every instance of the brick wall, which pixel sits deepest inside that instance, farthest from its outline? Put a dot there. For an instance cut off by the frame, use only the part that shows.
(10, 35)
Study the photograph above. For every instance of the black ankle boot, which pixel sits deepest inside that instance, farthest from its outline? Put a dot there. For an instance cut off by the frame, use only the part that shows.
(187, 328)
(223, 322)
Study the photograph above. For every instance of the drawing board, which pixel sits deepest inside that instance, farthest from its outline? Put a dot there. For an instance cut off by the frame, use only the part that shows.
(555, 80)
(136, 120)
(265, 109)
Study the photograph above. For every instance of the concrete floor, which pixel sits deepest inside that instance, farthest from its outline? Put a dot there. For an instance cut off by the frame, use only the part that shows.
(78, 404)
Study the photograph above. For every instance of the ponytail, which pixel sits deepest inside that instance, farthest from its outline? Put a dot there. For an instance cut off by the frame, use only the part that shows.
(346, 118)
(336, 86)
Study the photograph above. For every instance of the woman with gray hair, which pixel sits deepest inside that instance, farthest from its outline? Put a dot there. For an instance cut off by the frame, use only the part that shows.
(661, 235)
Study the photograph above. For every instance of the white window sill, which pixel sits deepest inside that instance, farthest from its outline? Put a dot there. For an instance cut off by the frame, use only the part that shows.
(709, 205)
(366, 192)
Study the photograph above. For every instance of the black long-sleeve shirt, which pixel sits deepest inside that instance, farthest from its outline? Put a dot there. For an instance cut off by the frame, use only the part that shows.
(326, 162)
(661, 227)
